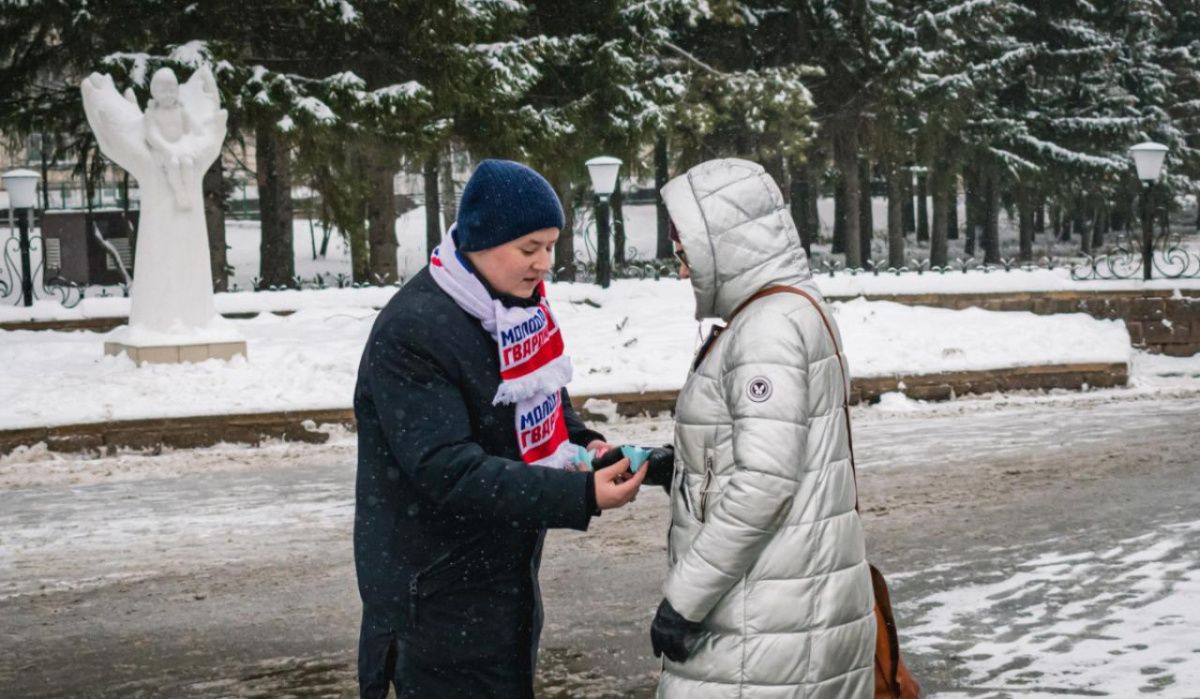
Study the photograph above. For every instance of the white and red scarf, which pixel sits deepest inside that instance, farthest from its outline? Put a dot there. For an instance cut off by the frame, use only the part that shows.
(533, 368)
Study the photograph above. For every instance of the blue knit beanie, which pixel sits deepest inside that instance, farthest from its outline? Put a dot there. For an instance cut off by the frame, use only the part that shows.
(504, 201)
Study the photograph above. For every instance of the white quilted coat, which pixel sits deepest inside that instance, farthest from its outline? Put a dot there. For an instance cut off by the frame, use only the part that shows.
(766, 548)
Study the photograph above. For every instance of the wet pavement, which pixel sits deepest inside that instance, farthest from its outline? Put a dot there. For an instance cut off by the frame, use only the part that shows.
(1033, 550)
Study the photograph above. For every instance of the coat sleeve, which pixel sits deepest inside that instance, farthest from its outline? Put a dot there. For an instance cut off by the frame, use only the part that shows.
(764, 383)
(579, 432)
(427, 424)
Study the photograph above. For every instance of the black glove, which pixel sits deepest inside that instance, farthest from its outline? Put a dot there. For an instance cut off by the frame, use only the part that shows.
(669, 631)
(662, 467)
(609, 458)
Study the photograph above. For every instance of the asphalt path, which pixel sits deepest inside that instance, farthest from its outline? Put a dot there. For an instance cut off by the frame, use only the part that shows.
(228, 571)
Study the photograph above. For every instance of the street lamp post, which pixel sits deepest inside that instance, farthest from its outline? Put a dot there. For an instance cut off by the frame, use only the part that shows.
(22, 197)
(1148, 158)
(919, 172)
(603, 171)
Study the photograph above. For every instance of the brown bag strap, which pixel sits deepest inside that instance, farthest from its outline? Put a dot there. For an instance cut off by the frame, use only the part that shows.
(773, 290)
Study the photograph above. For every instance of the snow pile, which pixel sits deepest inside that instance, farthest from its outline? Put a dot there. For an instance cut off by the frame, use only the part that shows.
(634, 337)
(884, 338)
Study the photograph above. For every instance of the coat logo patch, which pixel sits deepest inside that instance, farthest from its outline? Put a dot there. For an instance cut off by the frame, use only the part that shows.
(759, 389)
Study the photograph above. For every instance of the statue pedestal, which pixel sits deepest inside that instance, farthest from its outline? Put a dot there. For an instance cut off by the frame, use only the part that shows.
(219, 340)
(177, 354)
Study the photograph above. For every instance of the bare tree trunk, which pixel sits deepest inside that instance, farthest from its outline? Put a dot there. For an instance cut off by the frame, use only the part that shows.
(1026, 210)
(1087, 232)
(812, 176)
(974, 211)
(839, 216)
(800, 194)
(952, 205)
(665, 249)
(354, 219)
(214, 218)
(1099, 226)
(847, 157)
(991, 230)
(564, 250)
(942, 178)
(1198, 210)
(381, 221)
(922, 208)
(1078, 217)
(618, 215)
(910, 209)
(277, 260)
(447, 192)
(866, 217)
(433, 208)
(895, 217)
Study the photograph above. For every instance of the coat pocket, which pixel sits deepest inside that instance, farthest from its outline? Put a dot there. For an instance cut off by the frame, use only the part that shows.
(460, 608)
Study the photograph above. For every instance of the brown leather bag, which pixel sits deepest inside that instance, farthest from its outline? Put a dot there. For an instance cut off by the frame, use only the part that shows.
(892, 678)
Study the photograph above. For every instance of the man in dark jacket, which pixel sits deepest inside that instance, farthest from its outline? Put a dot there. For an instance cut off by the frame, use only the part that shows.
(449, 520)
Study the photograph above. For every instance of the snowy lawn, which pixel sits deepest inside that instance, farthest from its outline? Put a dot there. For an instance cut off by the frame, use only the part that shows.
(637, 336)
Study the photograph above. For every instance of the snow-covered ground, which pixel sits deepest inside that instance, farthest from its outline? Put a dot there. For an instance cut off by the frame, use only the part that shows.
(1119, 622)
(634, 337)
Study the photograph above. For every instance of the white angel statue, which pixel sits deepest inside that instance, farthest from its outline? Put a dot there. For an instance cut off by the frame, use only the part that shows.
(167, 149)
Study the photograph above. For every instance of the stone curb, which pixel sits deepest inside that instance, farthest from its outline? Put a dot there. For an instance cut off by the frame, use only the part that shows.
(301, 425)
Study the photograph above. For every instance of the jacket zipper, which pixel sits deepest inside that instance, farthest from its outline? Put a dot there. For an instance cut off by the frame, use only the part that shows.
(706, 484)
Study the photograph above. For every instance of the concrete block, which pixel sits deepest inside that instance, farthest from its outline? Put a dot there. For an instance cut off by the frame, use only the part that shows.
(1072, 305)
(1156, 333)
(1136, 334)
(175, 354)
(227, 350)
(1149, 309)
(1181, 349)
(1181, 309)
(154, 355)
(1119, 308)
(930, 392)
(1096, 307)
(193, 353)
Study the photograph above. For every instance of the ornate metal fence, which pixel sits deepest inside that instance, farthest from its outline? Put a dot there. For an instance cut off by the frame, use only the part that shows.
(18, 256)
(1124, 260)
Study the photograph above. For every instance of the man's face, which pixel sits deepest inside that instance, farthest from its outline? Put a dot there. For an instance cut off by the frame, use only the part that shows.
(517, 267)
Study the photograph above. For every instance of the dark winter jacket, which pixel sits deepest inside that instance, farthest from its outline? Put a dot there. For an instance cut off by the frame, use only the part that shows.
(448, 520)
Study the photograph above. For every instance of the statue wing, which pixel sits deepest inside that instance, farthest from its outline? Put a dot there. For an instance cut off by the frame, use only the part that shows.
(202, 103)
(118, 124)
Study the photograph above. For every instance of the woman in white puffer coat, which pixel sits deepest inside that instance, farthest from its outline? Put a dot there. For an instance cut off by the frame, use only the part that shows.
(768, 593)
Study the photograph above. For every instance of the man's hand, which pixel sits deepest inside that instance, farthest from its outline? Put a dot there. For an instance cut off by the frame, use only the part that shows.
(599, 446)
(669, 632)
(616, 486)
